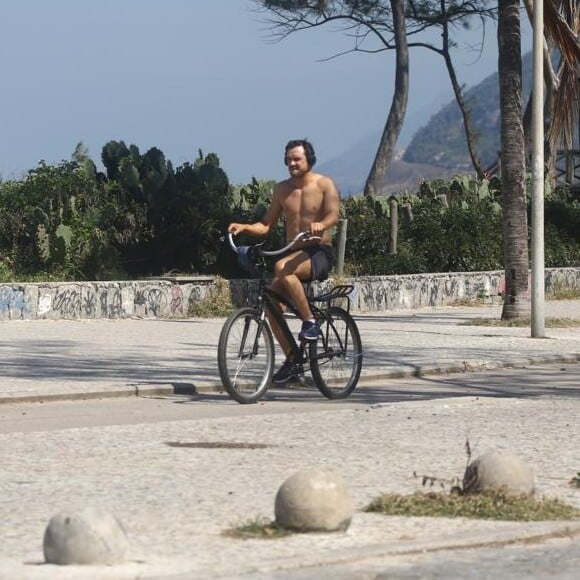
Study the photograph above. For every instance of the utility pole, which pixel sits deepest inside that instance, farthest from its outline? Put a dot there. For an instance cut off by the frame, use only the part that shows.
(538, 275)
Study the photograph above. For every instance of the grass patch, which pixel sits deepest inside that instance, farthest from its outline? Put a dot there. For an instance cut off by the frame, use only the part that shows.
(259, 528)
(520, 322)
(467, 302)
(494, 505)
(561, 292)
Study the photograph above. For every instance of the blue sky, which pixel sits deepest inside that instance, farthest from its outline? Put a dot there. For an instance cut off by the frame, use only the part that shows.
(182, 75)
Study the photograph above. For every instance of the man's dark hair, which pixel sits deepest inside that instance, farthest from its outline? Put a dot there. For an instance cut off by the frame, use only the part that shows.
(308, 150)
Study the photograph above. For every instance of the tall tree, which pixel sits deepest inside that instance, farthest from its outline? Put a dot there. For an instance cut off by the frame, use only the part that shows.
(398, 110)
(513, 166)
(562, 26)
(390, 23)
(444, 14)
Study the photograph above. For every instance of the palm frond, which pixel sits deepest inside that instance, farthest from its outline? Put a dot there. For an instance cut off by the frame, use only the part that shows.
(562, 27)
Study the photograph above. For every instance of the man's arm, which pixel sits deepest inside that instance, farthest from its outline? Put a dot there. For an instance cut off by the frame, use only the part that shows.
(331, 207)
(264, 227)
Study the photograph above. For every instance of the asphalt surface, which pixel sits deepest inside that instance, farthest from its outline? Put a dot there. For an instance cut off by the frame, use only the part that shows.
(177, 485)
(66, 359)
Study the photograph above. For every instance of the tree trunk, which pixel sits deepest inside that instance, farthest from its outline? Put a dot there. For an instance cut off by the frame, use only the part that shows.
(513, 189)
(470, 133)
(373, 185)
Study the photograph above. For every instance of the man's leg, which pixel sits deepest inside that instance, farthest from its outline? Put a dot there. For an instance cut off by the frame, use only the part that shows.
(290, 285)
(278, 333)
(290, 272)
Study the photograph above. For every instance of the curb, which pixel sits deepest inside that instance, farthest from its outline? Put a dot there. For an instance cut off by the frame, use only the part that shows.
(216, 386)
(519, 533)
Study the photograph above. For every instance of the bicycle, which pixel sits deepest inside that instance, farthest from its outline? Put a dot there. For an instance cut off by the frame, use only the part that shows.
(246, 345)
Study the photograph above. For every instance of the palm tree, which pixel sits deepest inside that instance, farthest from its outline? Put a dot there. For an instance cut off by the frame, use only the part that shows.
(513, 164)
(562, 25)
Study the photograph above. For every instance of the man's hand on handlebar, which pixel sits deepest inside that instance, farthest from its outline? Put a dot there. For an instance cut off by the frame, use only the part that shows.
(316, 229)
(235, 228)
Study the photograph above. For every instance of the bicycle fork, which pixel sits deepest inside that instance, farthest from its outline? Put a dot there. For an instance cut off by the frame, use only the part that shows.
(242, 354)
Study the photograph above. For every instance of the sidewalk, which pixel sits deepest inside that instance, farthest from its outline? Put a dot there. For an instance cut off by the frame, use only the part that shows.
(48, 360)
(175, 501)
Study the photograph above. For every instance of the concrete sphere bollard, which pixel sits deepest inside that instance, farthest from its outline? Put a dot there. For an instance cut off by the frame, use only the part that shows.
(314, 500)
(498, 470)
(84, 537)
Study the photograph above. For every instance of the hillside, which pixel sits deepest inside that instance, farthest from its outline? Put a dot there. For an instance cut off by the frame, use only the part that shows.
(437, 149)
(351, 169)
(442, 142)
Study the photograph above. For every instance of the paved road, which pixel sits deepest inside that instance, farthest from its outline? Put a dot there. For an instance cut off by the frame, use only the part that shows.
(47, 360)
(166, 468)
(557, 558)
(175, 501)
(526, 382)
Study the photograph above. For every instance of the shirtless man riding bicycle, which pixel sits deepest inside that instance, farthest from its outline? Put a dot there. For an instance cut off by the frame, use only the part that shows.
(309, 202)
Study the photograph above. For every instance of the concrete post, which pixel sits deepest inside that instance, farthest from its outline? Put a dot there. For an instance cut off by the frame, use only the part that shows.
(394, 224)
(341, 247)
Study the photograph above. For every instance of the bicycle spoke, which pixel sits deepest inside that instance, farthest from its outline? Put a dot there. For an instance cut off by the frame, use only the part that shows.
(336, 359)
(245, 356)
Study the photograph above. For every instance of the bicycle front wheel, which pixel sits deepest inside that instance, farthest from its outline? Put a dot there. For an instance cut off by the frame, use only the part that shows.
(336, 357)
(246, 355)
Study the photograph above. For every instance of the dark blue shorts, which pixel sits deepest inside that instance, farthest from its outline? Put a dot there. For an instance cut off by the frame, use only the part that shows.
(321, 257)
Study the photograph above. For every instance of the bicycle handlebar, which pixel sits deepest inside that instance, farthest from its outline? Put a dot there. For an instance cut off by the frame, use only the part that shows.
(300, 236)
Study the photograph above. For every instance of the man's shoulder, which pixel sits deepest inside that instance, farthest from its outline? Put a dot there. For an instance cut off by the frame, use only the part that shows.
(325, 182)
(319, 180)
(282, 186)
(322, 177)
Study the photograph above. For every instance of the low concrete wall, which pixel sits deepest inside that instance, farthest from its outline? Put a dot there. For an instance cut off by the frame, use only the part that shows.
(175, 297)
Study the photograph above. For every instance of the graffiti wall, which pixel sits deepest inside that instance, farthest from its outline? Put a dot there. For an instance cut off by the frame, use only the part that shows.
(99, 299)
(174, 299)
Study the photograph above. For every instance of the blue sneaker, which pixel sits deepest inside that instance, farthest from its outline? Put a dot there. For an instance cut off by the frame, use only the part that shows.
(310, 332)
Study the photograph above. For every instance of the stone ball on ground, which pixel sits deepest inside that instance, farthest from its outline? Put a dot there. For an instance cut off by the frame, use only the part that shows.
(88, 536)
(496, 470)
(314, 500)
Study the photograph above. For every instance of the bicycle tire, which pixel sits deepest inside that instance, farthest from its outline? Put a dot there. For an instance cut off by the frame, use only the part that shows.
(245, 356)
(336, 357)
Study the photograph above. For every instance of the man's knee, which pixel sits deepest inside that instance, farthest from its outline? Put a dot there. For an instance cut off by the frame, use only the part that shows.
(282, 271)
(279, 269)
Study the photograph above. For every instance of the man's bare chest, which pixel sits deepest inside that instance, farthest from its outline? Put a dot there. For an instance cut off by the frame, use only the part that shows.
(303, 201)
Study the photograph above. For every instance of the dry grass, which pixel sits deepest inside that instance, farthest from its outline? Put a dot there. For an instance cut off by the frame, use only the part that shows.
(561, 292)
(465, 301)
(259, 528)
(496, 505)
(521, 322)
(218, 303)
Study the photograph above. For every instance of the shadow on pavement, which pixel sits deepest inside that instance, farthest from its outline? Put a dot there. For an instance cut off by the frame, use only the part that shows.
(548, 381)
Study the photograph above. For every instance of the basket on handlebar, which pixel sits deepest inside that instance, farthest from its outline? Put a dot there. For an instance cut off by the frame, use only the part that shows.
(247, 259)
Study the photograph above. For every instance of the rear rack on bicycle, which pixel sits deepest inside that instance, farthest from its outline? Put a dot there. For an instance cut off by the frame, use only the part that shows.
(342, 291)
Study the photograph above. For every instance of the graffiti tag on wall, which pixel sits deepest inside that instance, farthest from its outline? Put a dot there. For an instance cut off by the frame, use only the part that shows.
(12, 299)
(152, 299)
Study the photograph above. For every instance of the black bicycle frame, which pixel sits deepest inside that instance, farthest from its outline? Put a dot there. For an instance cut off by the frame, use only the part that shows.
(269, 300)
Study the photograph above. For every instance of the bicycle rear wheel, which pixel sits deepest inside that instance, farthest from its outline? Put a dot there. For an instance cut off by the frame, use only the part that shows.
(246, 355)
(336, 357)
